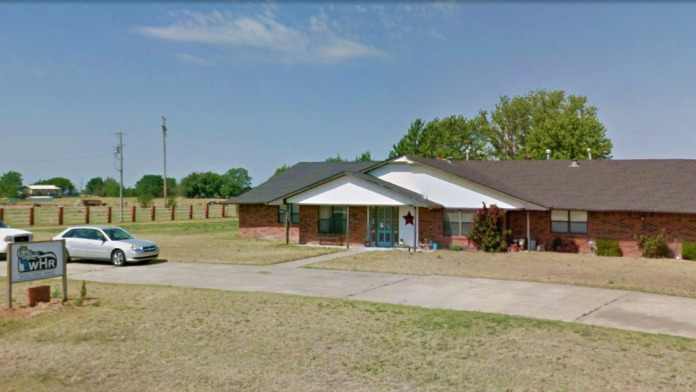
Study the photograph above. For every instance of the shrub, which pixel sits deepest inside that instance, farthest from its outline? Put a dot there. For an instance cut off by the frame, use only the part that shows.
(171, 202)
(145, 199)
(654, 246)
(456, 247)
(689, 250)
(608, 248)
(564, 245)
(83, 294)
(488, 231)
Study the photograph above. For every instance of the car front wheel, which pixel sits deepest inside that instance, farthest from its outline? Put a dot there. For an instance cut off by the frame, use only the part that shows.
(118, 258)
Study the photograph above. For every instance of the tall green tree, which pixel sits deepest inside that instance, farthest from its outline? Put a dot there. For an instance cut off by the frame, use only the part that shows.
(449, 137)
(510, 123)
(10, 184)
(153, 186)
(525, 127)
(66, 186)
(95, 187)
(410, 143)
(567, 125)
(234, 182)
(207, 185)
(111, 187)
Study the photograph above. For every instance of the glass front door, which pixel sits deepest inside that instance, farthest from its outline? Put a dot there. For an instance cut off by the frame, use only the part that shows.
(386, 224)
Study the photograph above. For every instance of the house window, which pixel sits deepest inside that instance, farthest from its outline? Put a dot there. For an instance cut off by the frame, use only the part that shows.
(294, 214)
(332, 220)
(569, 221)
(458, 222)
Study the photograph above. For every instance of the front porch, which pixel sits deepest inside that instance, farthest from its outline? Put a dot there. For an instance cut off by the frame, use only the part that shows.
(360, 226)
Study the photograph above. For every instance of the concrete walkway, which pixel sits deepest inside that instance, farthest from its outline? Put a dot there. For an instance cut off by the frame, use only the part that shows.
(604, 307)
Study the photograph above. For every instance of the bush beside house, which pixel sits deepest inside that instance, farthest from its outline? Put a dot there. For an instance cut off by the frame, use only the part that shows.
(607, 247)
(689, 250)
(488, 231)
(654, 246)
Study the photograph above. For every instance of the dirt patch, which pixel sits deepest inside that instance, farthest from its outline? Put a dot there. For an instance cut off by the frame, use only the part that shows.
(24, 312)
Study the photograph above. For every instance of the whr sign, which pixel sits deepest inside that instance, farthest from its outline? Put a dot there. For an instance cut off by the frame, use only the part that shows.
(29, 261)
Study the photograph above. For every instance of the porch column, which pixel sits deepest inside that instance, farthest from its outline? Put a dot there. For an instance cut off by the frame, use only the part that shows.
(287, 224)
(529, 236)
(347, 227)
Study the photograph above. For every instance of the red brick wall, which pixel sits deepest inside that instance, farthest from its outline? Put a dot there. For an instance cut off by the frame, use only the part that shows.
(261, 221)
(622, 226)
(309, 227)
(431, 227)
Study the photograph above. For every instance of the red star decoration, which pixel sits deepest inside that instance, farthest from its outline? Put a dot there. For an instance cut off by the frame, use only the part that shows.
(408, 219)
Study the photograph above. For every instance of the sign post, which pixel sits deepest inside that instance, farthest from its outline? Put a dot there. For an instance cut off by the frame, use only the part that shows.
(30, 261)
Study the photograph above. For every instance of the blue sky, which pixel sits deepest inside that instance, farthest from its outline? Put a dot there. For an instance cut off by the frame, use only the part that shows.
(262, 84)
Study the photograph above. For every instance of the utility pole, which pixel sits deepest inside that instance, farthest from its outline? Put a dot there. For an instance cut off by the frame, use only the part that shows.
(119, 156)
(164, 150)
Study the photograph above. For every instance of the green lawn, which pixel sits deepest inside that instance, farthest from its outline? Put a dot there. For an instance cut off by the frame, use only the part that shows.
(144, 338)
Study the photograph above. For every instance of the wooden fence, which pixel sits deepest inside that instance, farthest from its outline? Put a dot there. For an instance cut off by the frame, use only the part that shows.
(60, 215)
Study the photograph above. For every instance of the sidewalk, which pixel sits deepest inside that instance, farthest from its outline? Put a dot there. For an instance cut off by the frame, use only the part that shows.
(605, 307)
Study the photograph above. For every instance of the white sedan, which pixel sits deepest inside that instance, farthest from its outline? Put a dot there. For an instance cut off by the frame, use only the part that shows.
(106, 243)
(8, 236)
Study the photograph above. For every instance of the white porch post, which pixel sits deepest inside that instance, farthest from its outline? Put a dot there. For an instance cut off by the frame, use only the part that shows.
(529, 235)
(347, 227)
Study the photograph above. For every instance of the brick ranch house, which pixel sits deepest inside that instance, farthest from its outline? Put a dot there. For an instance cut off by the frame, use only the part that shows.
(411, 200)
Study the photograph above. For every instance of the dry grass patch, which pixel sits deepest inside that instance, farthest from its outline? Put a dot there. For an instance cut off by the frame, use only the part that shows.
(143, 338)
(228, 248)
(210, 241)
(663, 276)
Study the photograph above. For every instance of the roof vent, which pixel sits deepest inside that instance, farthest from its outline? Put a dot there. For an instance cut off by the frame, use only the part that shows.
(574, 164)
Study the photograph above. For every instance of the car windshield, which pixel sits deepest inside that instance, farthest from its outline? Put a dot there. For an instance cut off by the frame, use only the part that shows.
(117, 234)
(3, 225)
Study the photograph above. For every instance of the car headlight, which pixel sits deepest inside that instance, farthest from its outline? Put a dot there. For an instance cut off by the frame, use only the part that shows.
(139, 249)
(8, 238)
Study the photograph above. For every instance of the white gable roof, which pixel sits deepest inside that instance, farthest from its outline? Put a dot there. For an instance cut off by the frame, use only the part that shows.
(349, 190)
(448, 190)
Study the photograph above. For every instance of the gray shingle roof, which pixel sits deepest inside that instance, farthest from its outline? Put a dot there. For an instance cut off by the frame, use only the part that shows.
(297, 177)
(651, 185)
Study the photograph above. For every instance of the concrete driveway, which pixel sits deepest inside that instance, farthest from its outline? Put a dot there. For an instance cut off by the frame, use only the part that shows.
(605, 307)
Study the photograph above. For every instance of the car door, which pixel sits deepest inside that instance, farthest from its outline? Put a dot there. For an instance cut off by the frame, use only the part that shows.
(102, 248)
(96, 246)
(76, 243)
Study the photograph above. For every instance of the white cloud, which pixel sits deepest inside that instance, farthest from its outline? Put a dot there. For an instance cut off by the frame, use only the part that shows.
(191, 59)
(342, 49)
(316, 42)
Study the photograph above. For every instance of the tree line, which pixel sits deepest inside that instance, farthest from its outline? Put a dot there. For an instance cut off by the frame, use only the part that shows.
(196, 185)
